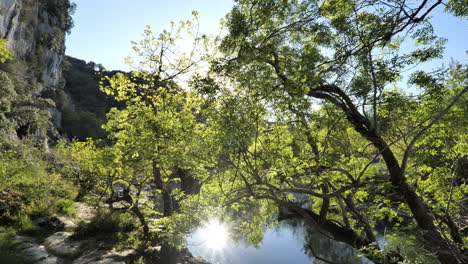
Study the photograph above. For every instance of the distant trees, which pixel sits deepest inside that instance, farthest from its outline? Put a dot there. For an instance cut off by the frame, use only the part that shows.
(82, 104)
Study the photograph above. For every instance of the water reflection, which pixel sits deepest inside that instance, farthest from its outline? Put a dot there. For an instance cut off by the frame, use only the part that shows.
(292, 242)
(319, 245)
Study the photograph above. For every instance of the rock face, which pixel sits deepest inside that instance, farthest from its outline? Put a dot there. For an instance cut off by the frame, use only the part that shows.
(35, 30)
(31, 83)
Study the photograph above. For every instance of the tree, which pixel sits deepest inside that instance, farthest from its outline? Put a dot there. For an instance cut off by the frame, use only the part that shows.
(157, 135)
(88, 164)
(351, 151)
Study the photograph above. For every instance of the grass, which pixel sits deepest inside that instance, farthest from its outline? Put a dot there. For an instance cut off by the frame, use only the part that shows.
(109, 229)
(105, 223)
(10, 251)
(67, 207)
(27, 227)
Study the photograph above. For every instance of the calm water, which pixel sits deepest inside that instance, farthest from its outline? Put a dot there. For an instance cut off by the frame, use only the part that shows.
(287, 244)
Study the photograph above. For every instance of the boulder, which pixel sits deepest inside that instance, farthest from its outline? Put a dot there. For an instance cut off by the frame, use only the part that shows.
(35, 253)
(60, 244)
(51, 223)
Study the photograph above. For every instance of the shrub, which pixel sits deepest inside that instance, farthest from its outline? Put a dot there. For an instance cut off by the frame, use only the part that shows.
(11, 205)
(9, 250)
(29, 187)
(26, 225)
(5, 54)
(67, 207)
(105, 223)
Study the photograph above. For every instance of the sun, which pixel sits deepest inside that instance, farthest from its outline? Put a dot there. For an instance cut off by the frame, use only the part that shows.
(215, 234)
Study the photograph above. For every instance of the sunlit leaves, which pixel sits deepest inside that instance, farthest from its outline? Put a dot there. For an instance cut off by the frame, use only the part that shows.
(260, 142)
(283, 53)
(458, 8)
(160, 135)
(5, 53)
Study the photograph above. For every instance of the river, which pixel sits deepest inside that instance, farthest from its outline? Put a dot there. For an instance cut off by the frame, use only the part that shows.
(286, 244)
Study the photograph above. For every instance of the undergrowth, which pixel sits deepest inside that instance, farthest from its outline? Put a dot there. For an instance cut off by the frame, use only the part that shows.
(9, 249)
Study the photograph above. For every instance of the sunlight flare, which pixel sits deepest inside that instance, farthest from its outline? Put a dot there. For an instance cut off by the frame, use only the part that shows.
(215, 234)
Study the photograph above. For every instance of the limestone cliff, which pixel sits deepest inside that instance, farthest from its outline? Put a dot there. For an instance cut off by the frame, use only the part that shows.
(35, 30)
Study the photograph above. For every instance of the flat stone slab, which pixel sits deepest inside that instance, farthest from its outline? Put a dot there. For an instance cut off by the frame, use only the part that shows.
(52, 260)
(104, 257)
(92, 257)
(25, 245)
(68, 222)
(121, 253)
(60, 244)
(198, 260)
(84, 211)
(35, 253)
(107, 261)
(23, 238)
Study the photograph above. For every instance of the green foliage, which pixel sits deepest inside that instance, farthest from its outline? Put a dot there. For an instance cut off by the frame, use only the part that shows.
(25, 177)
(54, 41)
(26, 225)
(63, 10)
(67, 207)
(11, 206)
(85, 164)
(314, 101)
(10, 252)
(410, 247)
(81, 124)
(457, 7)
(304, 116)
(105, 224)
(82, 104)
(158, 136)
(8, 94)
(5, 53)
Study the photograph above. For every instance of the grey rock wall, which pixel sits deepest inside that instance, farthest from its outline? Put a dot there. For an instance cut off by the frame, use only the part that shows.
(35, 35)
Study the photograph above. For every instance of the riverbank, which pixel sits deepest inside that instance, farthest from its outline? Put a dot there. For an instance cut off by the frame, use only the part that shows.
(62, 247)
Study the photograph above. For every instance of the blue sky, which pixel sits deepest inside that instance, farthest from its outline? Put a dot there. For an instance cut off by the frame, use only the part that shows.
(104, 28)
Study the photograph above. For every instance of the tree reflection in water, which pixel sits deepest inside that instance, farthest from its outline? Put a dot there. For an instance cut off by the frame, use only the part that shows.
(321, 247)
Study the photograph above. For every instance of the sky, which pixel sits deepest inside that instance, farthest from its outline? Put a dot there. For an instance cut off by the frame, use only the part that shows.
(104, 28)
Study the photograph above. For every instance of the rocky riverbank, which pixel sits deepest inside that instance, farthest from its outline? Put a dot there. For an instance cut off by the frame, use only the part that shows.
(60, 248)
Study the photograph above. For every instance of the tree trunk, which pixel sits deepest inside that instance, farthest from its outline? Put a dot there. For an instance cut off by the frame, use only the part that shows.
(168, 207)
(168, 253)
(135, 209)
(421, 212)
(189, 184)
